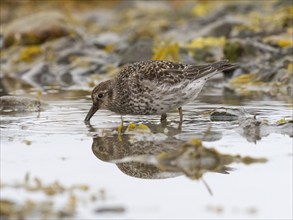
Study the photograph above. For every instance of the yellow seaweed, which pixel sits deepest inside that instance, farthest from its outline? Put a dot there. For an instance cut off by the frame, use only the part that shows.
(166, 51)
(285, 42)
(203, 8)
(140, 128)
(243, 79)
(196, 142)
(29, 53)
(203, 42)
(283, 121)
(109, 48)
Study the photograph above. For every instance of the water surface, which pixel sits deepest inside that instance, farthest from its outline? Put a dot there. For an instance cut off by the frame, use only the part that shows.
(56, 145)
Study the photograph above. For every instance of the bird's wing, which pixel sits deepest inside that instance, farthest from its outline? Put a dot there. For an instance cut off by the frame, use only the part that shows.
(170, 73)
(165, 73)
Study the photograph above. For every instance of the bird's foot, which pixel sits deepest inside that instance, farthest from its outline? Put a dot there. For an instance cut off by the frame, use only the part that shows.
(181, 118)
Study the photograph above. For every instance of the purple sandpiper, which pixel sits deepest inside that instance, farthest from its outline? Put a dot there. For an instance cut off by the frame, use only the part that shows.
(153, 87)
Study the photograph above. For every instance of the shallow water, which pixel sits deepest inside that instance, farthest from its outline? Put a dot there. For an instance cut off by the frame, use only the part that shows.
(57, 145)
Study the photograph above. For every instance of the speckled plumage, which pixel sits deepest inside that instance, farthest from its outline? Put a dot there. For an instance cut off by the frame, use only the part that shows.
(153, 87)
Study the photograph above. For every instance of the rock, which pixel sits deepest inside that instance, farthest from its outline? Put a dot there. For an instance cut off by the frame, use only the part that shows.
(141, 50)
(36, 29)
(186, 58)
(105, 39)
(286, 128)
(233, 50)
(67, 78)
(239, 50)
(20, 104)
(254, 129)
(114, 209)
(3, 90)
(67, 55)
(224, 114)
(109, 42)
(1, 41)
(100, 17)
(39, 76)
(218, 28)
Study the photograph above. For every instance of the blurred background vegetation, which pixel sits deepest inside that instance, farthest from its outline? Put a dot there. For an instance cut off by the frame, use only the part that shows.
(77, 43)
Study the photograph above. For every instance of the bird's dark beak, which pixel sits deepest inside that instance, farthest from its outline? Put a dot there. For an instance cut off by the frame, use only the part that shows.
(91, 112)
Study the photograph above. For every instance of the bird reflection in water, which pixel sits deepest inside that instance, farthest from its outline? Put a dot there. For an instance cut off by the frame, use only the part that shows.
(143, 154)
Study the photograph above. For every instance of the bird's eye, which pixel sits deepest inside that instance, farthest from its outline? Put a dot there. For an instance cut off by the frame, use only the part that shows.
(100, 95)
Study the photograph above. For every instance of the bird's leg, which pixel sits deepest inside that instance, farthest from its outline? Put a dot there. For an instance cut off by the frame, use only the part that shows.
(164, 120)
(120, 127)
(163, 117)
(181, 118)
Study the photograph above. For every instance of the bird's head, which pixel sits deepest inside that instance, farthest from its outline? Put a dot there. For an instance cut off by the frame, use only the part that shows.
(101, 96)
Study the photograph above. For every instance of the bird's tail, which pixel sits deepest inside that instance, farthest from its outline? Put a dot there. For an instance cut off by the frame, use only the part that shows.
(208, 70)
(223, 65)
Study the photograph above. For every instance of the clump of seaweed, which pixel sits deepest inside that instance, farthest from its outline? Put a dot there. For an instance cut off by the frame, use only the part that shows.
(45, 208)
